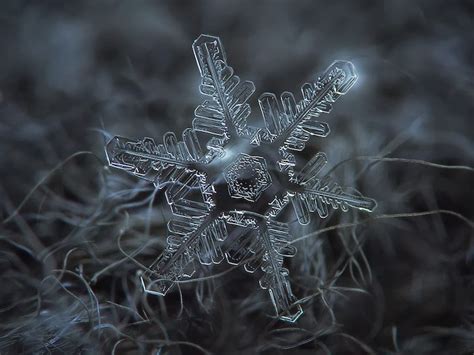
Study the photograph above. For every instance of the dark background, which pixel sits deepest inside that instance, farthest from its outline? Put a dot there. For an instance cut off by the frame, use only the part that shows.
(73, 74)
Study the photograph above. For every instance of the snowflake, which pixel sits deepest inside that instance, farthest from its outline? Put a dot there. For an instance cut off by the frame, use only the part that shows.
(258, 185)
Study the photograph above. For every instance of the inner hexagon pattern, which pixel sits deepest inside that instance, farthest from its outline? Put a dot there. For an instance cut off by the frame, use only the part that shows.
(247, 177)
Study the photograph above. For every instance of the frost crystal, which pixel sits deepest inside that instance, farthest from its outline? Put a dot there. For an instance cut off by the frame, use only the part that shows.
(258, 185)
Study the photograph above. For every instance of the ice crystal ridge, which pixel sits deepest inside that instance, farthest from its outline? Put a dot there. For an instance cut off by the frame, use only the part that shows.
(205, 209)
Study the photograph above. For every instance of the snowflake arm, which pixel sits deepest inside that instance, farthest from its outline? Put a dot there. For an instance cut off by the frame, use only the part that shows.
(292, 124)
(225, 114)
(274, 241)
(155, 162)
(189, 238)
(195, 232)
(289, 126)
(263, 245)
(315, 193)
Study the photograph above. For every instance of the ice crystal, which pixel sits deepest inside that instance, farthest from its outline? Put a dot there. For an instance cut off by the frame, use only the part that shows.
(256, 187)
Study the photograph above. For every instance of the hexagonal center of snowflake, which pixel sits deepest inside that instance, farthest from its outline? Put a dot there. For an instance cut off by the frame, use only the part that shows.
(247, 177)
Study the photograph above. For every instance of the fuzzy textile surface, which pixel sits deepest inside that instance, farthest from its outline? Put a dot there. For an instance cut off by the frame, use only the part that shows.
(74, 233)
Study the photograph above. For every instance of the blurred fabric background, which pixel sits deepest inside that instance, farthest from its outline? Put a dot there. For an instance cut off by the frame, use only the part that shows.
(74, 74)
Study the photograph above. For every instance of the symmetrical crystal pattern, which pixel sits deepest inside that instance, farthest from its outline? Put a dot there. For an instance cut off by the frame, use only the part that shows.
(247, 177)
(224, 175)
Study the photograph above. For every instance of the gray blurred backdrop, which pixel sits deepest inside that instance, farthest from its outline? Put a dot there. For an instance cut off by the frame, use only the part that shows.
(75, 73)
